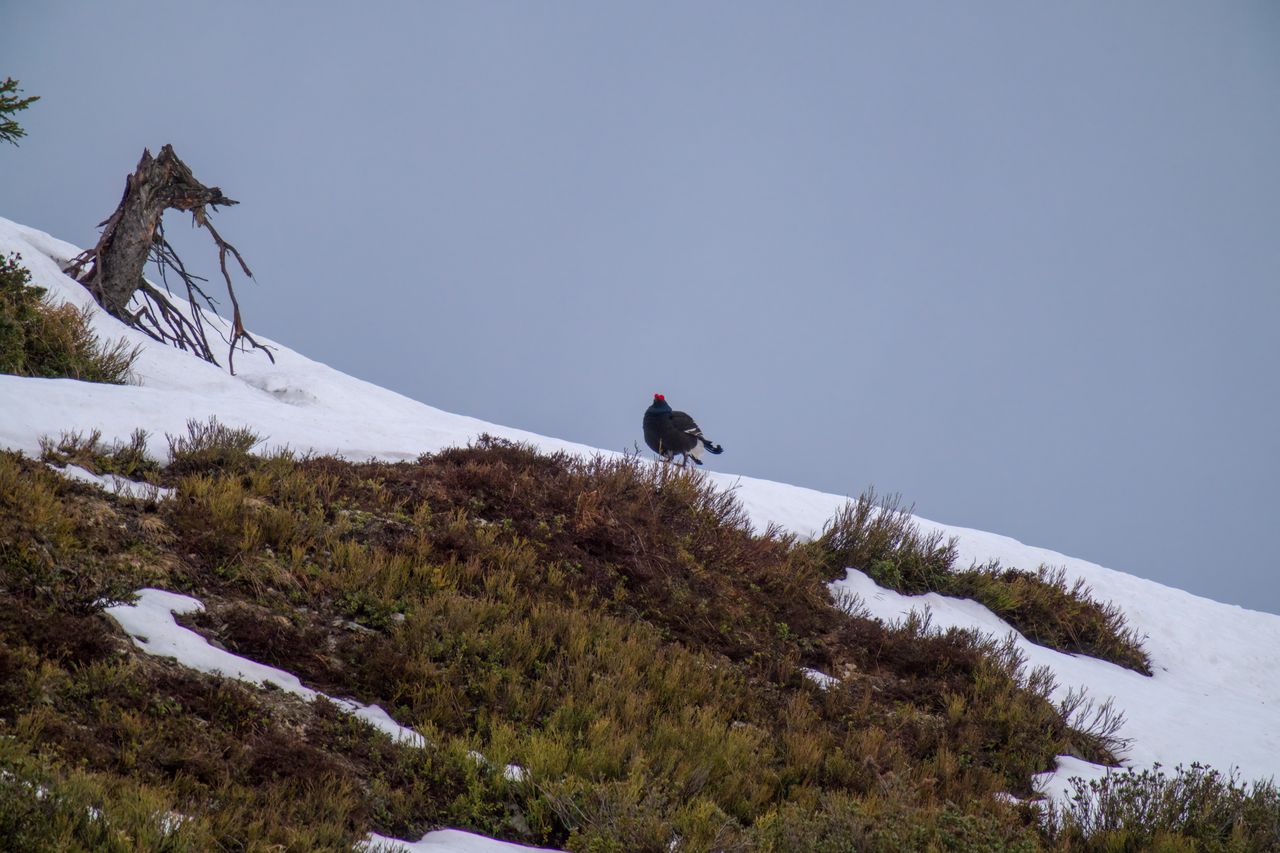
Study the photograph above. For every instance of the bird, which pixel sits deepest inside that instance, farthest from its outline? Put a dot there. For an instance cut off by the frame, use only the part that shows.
(670, 433)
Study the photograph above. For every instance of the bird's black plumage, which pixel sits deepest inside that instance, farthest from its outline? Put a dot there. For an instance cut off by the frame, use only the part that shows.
(669, 433)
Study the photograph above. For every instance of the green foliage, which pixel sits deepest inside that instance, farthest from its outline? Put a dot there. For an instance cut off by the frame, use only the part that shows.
(10, 103)
(616, 629)
(880, 538)
(40, 339)
(1197, 808)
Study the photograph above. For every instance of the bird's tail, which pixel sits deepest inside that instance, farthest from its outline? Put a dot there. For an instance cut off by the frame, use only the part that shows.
(712, 447)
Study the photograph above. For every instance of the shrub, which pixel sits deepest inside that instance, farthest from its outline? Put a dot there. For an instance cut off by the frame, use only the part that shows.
(211, 445)
(1195, 808)
(889, 823)
(40, 339)
(63, 547)
(881, 538)
(44, 806)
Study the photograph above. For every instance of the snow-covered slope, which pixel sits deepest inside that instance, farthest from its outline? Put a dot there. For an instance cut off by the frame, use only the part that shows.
(1214, 698)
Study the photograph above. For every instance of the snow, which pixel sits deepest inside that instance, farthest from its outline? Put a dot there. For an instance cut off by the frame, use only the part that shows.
(1103, 678)
(819, 678)
(444, 841)
(1057, 783)
(512, 772)
(149, 621)
(1214, 698)
(115, 484)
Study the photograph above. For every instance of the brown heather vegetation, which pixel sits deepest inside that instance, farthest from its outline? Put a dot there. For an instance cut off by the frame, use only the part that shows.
(614, 628)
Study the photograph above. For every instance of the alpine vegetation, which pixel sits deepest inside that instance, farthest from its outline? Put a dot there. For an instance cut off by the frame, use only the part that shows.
(615, 629)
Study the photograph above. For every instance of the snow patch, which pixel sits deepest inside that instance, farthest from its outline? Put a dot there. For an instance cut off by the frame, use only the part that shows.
(819, 678)
(512, 772)
(944, 613)
(443, 841)
(1056, 784)
(284, 391)
(115, 484)
(151, 624)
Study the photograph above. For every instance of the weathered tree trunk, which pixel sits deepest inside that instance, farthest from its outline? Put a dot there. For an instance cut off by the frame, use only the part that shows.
(159, 183)
(134, 233)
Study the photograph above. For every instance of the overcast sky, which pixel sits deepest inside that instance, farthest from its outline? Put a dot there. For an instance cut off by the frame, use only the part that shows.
(1016, 261)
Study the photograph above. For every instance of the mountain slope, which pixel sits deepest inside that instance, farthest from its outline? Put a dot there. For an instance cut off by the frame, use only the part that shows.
(1213, 697)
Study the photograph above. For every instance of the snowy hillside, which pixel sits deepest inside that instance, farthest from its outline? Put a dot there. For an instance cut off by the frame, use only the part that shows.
(1214, 696)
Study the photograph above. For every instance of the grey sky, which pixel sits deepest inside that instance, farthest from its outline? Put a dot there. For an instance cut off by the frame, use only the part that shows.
(1017, 261)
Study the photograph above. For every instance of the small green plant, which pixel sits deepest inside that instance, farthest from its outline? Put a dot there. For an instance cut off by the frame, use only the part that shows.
(40, 339)
(880, 537)
(889, 823)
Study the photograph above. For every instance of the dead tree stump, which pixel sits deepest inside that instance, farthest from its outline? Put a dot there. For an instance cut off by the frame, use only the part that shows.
(134, 233)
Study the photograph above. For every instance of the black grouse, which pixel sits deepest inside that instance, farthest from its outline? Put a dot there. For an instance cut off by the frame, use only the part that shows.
(670, 433)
